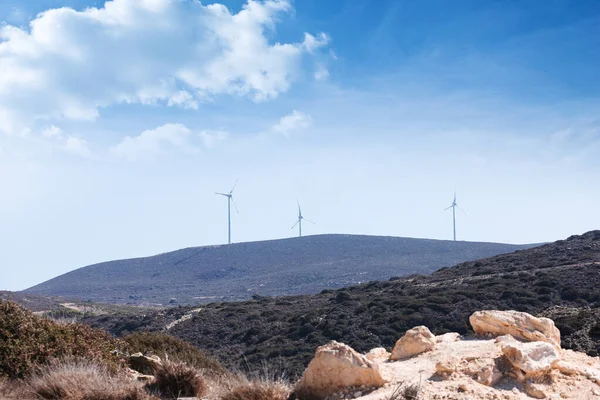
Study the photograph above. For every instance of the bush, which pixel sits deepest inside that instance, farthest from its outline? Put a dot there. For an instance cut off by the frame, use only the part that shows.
(27, 341)
(173, 380)
(177, 350)
(81, 380)
(258, 390)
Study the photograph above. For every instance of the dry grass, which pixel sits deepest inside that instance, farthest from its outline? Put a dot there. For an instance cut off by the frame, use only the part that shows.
(173, 380)
(11, 390)
(258, 390)
(262, 385)
(82, 380)
(411, 392)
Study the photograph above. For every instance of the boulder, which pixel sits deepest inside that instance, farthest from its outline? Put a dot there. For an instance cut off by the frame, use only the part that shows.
(378, 354)
(532, 359)
(415, 341)
(337, 366)
(144, 364)
(518, 324)
(448, 337)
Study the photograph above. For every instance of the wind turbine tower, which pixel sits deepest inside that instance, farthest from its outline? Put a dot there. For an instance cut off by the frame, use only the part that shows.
(299, 222)
(454, 206)
(229, 201)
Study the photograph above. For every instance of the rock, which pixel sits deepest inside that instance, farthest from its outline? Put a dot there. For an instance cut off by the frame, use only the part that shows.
(532, 359)
(144, 364)
(445, 367)
(415, 341)
(489, 375)
(136, 376)
(535, 390)
(518, 324)
(337, 366)
(378, 354)
(448, 337)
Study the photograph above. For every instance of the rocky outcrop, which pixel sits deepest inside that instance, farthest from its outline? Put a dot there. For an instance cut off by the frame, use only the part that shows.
(414, 342)
(519, 325)
(337, 366)
(530, 360)
(450, 368)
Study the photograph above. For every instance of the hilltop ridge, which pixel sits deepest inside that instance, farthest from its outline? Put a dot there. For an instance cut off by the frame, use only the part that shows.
(275, 267)
(558, 280)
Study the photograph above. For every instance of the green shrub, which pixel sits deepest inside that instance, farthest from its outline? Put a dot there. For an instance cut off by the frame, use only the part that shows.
(176, 349)
(27, 341)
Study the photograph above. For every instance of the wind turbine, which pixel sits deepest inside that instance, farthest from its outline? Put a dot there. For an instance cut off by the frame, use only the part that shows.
(299, 222)
(453, 206)
(229, 201)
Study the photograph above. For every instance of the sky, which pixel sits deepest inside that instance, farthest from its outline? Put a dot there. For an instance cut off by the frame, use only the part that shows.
(120, 119)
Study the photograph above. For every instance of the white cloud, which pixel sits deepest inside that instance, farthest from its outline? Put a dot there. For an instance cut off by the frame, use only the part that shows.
(69, 64)
(294, 122)
(152, 143)
(321, 73)
(71, 144)
(52, 132)
(312, 43)
(77, 146)
(211, 138)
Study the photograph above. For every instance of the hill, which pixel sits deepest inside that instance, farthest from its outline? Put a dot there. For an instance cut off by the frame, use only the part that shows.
(276, 267)
(558, 280)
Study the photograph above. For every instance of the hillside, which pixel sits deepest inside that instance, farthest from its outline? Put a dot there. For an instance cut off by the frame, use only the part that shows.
(277, 267)
(559, 280)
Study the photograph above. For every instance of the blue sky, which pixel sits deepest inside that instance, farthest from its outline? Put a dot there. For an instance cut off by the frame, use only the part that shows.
(120, 120)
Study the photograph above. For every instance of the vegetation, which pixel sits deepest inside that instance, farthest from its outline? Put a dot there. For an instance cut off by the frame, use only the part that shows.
(176, 350)
(236, 272)
(287, 330)
(258, 390)
(29, 342)
(82, 380)
(173, 380)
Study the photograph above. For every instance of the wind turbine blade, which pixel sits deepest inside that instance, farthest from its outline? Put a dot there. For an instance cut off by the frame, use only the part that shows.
(233, 188)
(299, 210)
(296, 224)
(222, 194)
(236, 209)
(461, 210)
(308, 220)
(446, 209)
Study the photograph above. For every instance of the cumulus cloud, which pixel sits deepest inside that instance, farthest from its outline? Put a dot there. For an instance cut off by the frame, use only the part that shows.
(70, 64)
(294, 122)
(211, 138)
(71, 144)
(166, 139)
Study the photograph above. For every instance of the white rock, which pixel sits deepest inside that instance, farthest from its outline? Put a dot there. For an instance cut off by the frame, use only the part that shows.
(448, 337)
(337, 366)
(532, 359)
(518, 324)
(415, 341)
(378, 354)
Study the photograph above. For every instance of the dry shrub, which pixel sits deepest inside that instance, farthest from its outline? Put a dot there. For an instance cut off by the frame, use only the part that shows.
(77, 379)
(174, 379)
(178, 350)
(28, 341)
(11, 390)
(258, 390)
(262, 385)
